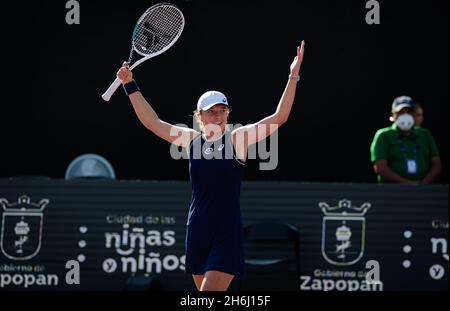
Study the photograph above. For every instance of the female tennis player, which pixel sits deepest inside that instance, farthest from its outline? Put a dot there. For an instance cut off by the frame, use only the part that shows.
(217, 156)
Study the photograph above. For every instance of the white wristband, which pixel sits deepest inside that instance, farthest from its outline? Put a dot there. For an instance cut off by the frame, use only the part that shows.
(296, 78)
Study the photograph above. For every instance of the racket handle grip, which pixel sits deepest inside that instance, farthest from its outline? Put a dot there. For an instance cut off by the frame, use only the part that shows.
(112, 89)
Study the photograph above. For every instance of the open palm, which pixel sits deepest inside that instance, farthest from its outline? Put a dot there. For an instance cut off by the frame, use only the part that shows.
(296, 64)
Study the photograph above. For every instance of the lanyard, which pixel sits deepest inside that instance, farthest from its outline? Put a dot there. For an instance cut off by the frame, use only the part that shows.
(403, 147)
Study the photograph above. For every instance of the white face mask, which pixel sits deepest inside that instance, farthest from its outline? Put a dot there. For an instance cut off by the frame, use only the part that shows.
(405, 122)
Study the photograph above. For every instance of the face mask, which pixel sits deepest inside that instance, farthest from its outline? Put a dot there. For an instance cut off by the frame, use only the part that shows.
(405, 122)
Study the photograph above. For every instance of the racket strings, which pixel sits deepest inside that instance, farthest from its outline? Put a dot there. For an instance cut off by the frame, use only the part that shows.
(155, 37)
(158, 29)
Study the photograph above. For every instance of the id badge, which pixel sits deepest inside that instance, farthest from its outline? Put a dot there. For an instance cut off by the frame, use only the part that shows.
(411, 167)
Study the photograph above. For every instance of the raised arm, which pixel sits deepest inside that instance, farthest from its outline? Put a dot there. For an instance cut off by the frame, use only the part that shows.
(180, 136)
(258, 131)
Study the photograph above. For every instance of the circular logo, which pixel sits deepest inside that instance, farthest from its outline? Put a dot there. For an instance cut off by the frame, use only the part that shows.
(437, 272)
(209, 151)
(109, 265)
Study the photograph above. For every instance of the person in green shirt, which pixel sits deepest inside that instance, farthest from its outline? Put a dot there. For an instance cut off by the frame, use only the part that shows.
(403, 153)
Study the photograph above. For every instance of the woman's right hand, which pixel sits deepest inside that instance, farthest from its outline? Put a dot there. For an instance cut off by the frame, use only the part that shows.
(124, 74)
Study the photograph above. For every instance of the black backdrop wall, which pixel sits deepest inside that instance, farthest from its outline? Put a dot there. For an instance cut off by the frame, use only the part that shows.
(55, 74)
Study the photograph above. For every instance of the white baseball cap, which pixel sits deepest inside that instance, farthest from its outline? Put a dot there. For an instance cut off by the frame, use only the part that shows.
(402, 102)
(210, 99)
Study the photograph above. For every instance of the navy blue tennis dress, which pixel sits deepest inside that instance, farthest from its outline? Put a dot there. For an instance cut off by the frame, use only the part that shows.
(214, 235)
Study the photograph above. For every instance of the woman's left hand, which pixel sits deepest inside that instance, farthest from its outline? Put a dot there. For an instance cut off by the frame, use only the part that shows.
(297, 63)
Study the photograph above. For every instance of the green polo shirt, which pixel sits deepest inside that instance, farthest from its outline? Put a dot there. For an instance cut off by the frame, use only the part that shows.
(387, 145)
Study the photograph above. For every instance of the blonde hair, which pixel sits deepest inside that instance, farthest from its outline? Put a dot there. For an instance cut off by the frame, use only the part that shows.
(198, 120)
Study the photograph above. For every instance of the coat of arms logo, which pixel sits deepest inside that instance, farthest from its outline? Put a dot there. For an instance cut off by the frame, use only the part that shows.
(21, 232)
(343, 232)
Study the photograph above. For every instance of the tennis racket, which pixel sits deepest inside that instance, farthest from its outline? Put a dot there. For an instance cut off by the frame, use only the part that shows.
(155, 32)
